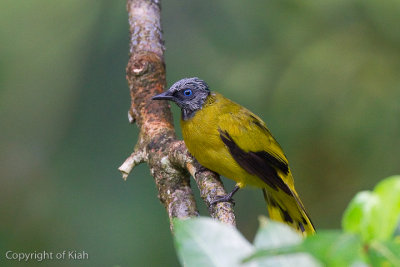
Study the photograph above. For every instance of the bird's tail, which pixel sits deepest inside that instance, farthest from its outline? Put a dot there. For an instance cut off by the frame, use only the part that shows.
(288, 209)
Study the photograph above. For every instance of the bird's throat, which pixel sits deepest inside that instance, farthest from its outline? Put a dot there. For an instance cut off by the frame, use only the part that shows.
(187, 114)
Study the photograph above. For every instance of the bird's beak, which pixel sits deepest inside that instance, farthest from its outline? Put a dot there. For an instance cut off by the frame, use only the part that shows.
(163, 96)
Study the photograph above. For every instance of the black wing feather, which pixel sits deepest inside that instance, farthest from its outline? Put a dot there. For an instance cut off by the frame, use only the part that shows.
(258, 163)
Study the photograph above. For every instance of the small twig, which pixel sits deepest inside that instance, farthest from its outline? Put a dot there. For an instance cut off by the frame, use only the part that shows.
(132, 161)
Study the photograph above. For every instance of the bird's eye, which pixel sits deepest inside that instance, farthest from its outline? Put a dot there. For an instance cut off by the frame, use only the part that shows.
(187, 92)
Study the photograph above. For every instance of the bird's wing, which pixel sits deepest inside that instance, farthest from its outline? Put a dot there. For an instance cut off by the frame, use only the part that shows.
(253, 147)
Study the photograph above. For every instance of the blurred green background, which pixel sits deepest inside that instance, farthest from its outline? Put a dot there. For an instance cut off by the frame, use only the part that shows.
(324, 75)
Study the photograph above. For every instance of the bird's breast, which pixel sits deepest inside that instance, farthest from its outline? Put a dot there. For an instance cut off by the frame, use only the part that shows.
(200, 133)
(203, 141)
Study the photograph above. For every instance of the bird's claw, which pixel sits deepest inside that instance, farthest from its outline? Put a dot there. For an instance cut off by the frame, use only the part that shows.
(224, 198)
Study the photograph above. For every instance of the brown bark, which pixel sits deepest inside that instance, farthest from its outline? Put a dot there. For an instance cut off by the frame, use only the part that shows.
(169, 161)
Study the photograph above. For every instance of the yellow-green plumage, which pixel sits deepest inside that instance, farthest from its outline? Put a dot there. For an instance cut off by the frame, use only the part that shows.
(220, 119)
(230, 140)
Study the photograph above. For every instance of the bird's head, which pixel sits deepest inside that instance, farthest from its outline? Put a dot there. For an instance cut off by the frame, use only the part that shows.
(189, 94)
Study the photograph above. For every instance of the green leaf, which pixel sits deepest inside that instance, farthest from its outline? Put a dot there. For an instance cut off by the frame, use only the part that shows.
(207, 242)
(375, 215)
(334, 248)
(357, 217)
(282, 257)
(331, 248)
(273, 239)
(286, 260)
(385, 253)
(396, 233)
(386, 215)
(274, 235)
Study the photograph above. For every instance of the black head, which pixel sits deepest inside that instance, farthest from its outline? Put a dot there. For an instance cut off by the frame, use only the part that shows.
(189, 94)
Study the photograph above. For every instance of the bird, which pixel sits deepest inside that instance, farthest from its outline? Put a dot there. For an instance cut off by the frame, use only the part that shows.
(232, 141)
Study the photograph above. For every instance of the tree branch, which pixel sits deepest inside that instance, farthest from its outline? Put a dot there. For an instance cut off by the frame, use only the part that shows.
(169, 161)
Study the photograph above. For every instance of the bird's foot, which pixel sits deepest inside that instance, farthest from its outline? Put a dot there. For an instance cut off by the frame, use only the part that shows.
(225, 198)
